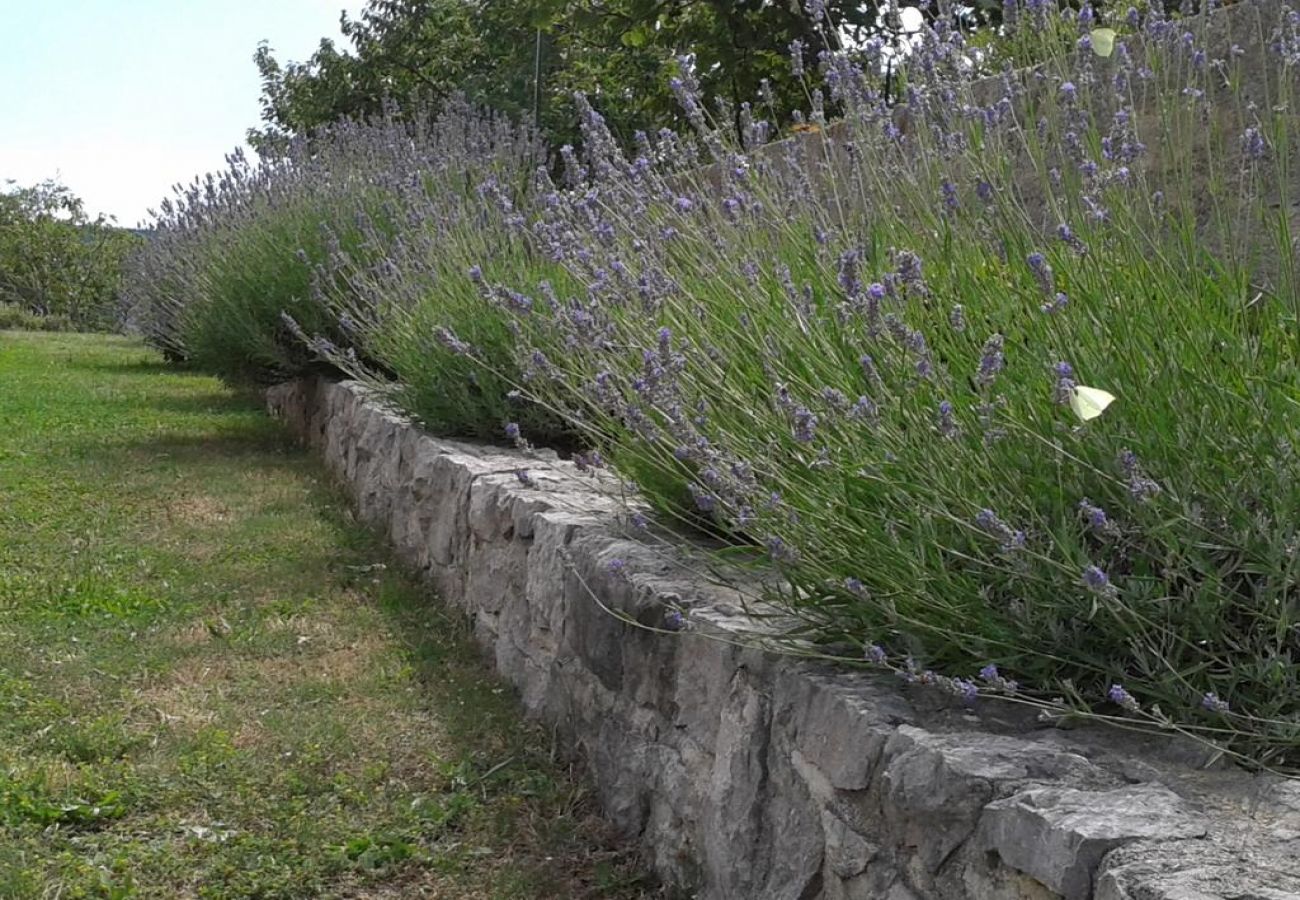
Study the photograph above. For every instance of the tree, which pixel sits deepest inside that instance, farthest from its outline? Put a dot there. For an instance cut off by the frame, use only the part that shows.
(401, 50)
(54, 260)
(528, 57)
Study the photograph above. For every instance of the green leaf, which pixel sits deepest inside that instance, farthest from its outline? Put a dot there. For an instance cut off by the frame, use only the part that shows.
(635, 38)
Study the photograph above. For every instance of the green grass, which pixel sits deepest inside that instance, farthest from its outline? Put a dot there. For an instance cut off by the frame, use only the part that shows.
(214, 683)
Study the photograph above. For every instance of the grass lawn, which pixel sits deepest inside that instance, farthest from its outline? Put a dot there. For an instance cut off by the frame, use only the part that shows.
(214, 683)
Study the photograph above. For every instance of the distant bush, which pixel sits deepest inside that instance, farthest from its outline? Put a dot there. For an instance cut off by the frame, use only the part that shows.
(16, 318)
(56, 262)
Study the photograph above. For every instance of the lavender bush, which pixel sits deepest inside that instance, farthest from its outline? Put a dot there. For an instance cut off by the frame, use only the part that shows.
(246, 262)
(415, 311)
(1000, 373)
(1002, 378)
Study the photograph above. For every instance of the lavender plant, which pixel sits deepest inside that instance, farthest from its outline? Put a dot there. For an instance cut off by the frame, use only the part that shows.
(414, 306)
(247, 262)
(999, 373)
(1003, 379)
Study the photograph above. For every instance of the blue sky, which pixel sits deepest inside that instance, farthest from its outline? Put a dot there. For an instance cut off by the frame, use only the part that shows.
(121, 99)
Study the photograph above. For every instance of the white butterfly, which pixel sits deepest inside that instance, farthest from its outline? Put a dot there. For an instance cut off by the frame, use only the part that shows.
(1103, 41)
(1088, 403)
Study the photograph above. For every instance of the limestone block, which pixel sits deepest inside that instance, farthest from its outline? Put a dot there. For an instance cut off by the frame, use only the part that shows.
(1060, 835)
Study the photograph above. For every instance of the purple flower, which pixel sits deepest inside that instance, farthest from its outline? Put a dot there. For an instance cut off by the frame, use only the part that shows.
(588, 461)
(451, 342)
(1098, 582)
(616, 567)
(967, 690)
(864, 408)
(674, 620)
(947, 422)
(1069, 92)
(1212, 702)
(847, 273)
(525, 478)
(1067, 236)
(855, 587)
(987, 520)
(805, 425)
(869, 368)
(948, 192)
(834, 398)
(909, 269)
(875, 653)
(1065, 383)
(992, 677)
(1096, 517)
(704, 500)
(1056, 304)
(1117, 695)
(957, 318)
(512, 431)
(1140, 487)
(780, 551)
(1253, 145)
(1042, 272)
(991, 361)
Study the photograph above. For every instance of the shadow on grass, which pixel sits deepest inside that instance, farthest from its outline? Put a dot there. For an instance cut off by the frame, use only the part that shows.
(142, 367)
(218, 401)
(241, 441)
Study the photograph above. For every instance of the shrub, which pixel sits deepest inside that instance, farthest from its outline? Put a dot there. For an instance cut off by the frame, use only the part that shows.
(16, 318)
(56, 263)
(245, 261)
(876, 353)
(410, 311)
(1002, 377)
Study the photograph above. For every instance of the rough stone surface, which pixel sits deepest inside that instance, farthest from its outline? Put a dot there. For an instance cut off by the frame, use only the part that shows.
(1059, 835)
(748, 776)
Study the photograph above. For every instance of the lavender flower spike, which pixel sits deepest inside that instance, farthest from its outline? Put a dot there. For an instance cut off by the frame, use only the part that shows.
(1117, 695)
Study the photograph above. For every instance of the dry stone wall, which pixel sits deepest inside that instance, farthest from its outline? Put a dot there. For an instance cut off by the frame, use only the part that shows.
(750, 776)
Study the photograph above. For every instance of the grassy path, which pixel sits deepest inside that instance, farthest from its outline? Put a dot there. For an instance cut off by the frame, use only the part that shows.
(213, 685)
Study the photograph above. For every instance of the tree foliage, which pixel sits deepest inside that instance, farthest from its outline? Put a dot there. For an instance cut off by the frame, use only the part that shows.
(54, 259)
(531, 56)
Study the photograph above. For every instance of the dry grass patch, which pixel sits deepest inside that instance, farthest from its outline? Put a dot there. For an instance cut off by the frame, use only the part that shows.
(197, 510)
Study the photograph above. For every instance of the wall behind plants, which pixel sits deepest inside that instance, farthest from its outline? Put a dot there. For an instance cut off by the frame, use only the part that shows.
(975, 377)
